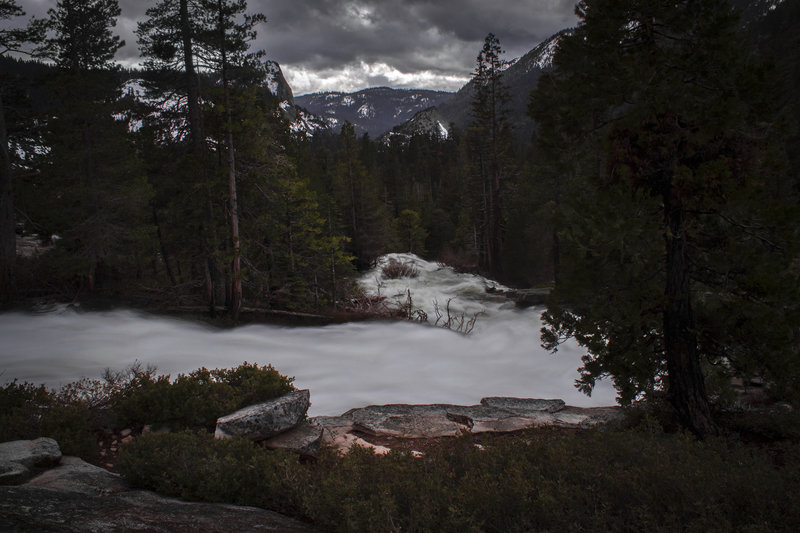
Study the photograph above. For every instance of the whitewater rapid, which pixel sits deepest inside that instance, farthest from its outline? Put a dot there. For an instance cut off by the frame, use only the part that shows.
(345, 366)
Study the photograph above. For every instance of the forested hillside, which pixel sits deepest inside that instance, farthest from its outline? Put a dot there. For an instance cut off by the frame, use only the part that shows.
(658, 193)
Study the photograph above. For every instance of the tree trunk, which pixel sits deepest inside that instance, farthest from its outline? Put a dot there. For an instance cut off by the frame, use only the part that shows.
(8, 236)
(198, 148)
(236, 266)
(495, 238)
(163, 248)
(192, 81)
(687, 389)
(233, 205)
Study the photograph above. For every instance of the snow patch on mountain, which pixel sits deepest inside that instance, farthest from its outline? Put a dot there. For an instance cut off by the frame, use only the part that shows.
(272, 80)
(443, 133)
(366, 111)
(372, 111)
(545, 58)
(163, 110)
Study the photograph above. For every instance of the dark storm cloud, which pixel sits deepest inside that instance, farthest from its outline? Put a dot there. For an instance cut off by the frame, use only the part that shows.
(437, 38)
(352, 44)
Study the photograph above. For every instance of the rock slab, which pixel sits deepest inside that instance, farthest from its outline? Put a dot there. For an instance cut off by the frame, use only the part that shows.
(20, 459)
(304, 439)
(264, 420)
(76, 475)
(79, 497)
(492, 415)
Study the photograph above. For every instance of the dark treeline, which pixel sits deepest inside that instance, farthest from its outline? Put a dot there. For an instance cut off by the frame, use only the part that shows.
(131, 184)
(659, 192)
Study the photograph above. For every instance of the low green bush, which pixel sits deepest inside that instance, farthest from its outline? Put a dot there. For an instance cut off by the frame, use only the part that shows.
(28, 412)
(195, 466)
(615, 480)
(194, 400)
(78, 413)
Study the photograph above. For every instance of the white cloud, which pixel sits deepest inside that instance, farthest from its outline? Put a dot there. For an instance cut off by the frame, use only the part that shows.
(360, 75)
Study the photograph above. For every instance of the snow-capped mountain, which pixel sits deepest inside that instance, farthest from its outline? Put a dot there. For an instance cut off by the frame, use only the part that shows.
(388, 113)
(301, 121)
(373, 111)
(520, 77)
(429, 122)
(276, 83)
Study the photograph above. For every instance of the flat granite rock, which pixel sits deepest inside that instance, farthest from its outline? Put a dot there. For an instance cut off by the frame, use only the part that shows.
(76, 496)
(76, 475)
(523, 405)
(42, 510)
(492, 415)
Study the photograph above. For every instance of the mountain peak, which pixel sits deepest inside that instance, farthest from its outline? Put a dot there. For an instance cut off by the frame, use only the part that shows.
(374, 110)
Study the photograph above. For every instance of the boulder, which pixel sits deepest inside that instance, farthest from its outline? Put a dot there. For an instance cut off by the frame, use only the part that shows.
(522, 298)
(525, 298)
(303, 439)
(20, 459)
(264, 420)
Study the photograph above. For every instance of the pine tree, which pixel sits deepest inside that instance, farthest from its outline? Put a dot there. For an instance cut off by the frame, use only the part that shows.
(409, 233)
(364, 214)
(11, 40)
(91, 184)
(490, 113)
(230, 42)
(672, 243)
(214, 39)
(83, 38)
(168, 41)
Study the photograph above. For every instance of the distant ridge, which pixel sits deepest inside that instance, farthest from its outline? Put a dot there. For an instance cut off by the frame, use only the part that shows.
(373, 111)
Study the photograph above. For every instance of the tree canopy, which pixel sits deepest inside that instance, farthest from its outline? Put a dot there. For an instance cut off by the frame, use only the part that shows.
(677, 243)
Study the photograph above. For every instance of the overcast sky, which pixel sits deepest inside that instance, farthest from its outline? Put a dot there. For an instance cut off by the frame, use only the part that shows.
(347, 45)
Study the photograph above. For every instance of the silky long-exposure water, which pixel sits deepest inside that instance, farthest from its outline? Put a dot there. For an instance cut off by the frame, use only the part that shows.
(344, 366)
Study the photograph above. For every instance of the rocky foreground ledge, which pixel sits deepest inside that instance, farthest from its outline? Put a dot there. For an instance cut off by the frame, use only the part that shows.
(282, 422)
(492, 415)
(52, 493)
(44, 492)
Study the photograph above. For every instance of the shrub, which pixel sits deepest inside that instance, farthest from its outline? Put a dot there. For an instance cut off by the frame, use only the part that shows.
(77, 414)
(195, 466)
(541, 481)
(197, 399)
(28, 412)
(395, 269)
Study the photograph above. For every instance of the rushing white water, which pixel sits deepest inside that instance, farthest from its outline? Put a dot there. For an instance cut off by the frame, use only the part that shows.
(344, 366)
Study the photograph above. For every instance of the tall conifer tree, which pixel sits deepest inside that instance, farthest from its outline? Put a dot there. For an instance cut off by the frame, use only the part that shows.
(674, 255)
(95, 188)
(490, 113)
(11, 40)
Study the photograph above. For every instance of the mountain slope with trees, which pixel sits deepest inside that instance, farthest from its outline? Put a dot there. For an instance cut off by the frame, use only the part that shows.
(373, 111)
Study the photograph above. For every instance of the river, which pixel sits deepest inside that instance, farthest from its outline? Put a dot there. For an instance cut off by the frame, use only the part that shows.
(344, 366)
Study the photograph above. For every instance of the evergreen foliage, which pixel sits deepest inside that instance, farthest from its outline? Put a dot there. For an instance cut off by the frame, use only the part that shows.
(491, 139)
(675, 247)
(11, 40)
(612, 480)
(83, 39)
